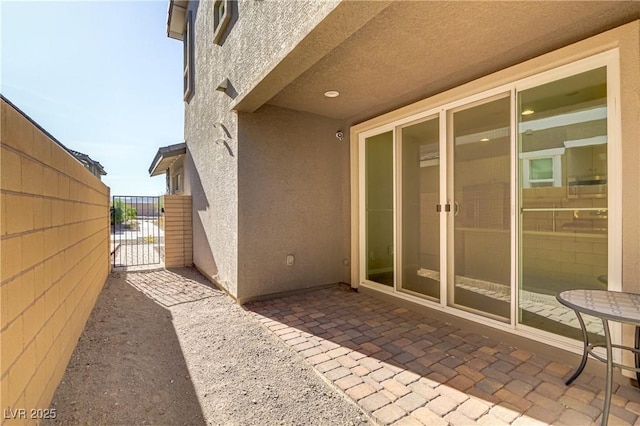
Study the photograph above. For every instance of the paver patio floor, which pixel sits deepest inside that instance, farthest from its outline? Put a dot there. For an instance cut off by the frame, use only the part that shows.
(408, 368)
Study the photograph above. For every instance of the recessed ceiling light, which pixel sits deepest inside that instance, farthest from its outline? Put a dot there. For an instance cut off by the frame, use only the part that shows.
(527, 111)
(484, 140)
(332, 94)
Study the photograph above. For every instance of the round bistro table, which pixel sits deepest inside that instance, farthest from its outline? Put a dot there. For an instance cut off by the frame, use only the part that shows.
(608, 306)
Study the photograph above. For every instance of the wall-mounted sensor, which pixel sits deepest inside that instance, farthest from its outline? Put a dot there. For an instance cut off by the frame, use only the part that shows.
(339, 135)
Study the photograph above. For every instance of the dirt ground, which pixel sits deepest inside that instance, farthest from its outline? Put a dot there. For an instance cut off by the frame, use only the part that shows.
(168, 348)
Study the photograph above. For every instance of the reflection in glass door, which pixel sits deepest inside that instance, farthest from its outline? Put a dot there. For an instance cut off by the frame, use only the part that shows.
(479, 137)
(379, 208)
(420, 219)
(563, 197)
(523, 178)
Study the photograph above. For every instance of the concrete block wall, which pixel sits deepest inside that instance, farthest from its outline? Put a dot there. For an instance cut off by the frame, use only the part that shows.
(54, 249)
(178, 234)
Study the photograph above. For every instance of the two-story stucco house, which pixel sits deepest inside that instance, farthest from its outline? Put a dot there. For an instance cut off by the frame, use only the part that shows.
(472, 157)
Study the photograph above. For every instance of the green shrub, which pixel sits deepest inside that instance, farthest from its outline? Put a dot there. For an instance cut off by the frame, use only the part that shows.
(121, 212)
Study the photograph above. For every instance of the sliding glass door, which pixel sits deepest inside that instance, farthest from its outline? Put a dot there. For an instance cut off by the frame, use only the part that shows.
(379, 208)
(420, 200)
(562, 140)
(479, 139)
(491, 205)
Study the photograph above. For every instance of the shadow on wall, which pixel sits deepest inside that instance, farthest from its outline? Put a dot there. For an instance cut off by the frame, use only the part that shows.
(203, 257)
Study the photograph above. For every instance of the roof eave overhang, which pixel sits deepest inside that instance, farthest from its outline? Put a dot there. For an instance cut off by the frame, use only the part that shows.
(341, 23)
(176, 18)
(165, 157)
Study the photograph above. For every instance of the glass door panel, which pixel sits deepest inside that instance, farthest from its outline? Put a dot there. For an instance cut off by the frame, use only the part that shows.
(420, 220)
(379, 208)
(562, 134)
(481, 222)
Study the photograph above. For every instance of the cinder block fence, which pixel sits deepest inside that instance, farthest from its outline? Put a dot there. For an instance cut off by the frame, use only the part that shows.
(54, 249)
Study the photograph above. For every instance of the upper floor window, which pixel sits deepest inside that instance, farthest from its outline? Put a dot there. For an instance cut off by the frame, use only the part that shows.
(221, 18)
(187, 52)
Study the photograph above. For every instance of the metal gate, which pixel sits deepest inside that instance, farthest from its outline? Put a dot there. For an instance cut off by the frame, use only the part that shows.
(137, 237)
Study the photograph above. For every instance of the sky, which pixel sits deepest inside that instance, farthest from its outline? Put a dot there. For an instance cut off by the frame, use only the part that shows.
(102, 77)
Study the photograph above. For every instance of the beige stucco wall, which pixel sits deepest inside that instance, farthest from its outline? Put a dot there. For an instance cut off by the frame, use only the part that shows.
(259, 36)
(178, 231)
(293, 199)
(54, 244)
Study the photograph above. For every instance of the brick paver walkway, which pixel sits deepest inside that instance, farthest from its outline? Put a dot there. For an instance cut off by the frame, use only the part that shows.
(405, 368)
(169, 288)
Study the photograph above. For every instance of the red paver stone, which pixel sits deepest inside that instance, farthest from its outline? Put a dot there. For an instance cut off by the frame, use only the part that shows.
(389, 414)
(395, 387)
(455, 418)
(550, 390)
(303, 346)
(311, 352)
(327, 366)
(505, 414)
(338, 352)
(547, 403)
(514, 400)
(491, 420)
(373, 402)
(543, 415)
(337, 373)
(347, 361)
(360, 391)
(442, 405)
(519, 388)
(580, 406)
(520, 355)
(558, 369)
(411, 402)
(427, 392)
(428, 417)
(469, 372)
(360, 371)
(473, 408)
(381, 374)
(318, 359)
(454, 394)
(406, 377)
(461, 383)
(408, 421)
(348, 382)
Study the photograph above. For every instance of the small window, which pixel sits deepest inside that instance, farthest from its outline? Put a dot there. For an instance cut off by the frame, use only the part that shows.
(187, 53)
(177, 184)
(542, 168)
(221, 18)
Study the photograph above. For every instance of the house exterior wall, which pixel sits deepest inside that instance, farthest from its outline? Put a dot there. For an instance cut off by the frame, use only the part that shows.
(627, 39)
(177, 231)
(293, 198)
(259, 35)
(54, 244)
(235, 242)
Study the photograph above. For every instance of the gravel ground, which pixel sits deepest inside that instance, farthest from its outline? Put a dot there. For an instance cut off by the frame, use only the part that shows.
(188, 360)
